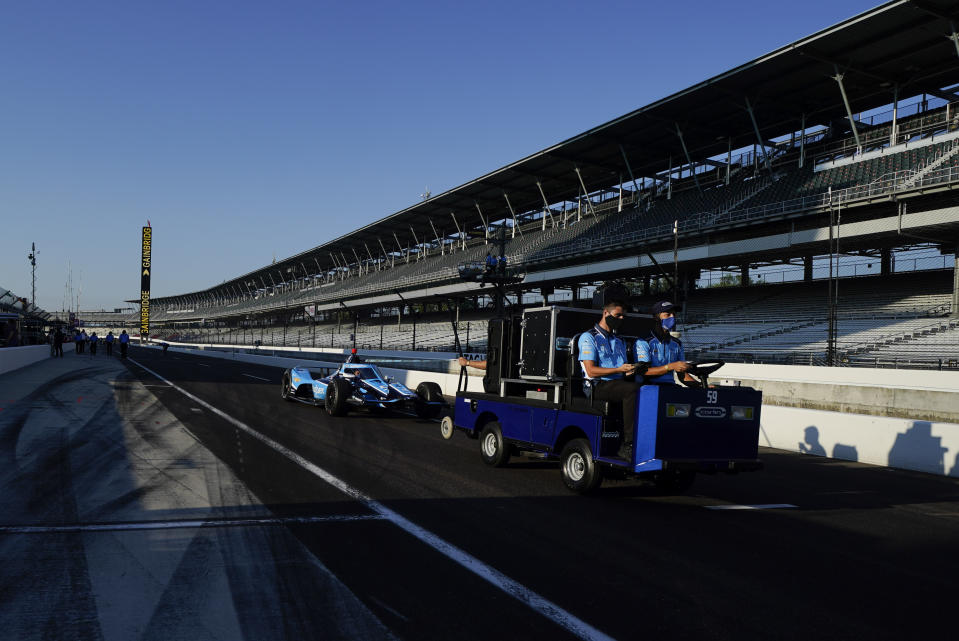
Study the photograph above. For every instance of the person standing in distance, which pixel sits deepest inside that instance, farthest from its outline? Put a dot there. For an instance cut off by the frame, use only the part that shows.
(124, 340)
(109, 343)
(58, 343)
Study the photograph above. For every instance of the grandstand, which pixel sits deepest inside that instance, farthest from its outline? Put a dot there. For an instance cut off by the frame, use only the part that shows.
(843, 144)
(29, 318)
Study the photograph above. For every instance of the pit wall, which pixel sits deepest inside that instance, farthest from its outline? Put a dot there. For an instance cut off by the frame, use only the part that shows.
(13, 358)
(907, 419)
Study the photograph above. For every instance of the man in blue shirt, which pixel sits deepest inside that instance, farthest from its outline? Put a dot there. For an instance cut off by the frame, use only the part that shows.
(124, 340)
(662, 353)
(602, 355)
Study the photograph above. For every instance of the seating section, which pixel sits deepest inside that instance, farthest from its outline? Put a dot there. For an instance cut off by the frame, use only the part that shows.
(788, 323)
(876, 316)
(597, 229)
(430, 335)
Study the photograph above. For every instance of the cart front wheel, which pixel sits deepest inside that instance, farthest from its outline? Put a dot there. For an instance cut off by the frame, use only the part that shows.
(492, 447)
(577, 467)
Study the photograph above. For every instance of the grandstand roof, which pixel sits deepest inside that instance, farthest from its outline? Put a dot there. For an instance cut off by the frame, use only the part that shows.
(909, 44)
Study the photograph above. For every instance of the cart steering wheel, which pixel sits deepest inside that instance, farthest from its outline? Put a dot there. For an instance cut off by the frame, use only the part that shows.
(699, 371)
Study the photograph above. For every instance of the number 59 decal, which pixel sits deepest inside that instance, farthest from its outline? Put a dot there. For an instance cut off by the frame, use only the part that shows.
(712, 396)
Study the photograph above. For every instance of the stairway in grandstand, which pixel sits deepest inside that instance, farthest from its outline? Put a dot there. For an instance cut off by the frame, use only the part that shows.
(942, 156)
(918, 335)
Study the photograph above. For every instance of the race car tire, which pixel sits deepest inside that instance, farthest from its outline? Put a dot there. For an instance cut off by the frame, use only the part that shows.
(493, 448)
(428, 392)
(677, 482)
(336, 394)
(579, 471)
(285, 387)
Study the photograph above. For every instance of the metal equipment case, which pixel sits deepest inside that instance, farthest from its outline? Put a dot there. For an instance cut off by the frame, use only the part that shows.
(547, 332)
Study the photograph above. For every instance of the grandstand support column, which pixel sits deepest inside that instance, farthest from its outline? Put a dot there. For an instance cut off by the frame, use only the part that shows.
(336, 264)
(802, 140)
(629, 170)
(438, 241)
(744, 275)
(895, 115)
(807, 263)
(669, 177)
(483, 220)
(459, 232)
(885, 261)
(759, 138)
(589, 204)
(682, 142)
(372, 260)
(546, 209)
(513, 214)
(729, 159)
(417, 243)
(359, 266)
(845, 100)
(386, 254)
(407, 256)
(955, 282)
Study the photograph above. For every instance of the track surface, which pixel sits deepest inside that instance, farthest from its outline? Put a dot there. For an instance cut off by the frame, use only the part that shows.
(866, 553)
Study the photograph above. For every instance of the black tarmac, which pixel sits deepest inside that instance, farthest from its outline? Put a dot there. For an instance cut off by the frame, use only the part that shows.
(133, 510)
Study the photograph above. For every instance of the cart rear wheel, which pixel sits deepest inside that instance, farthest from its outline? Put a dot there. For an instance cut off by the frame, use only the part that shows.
(446, 427)
(577, 467)
(492, 447)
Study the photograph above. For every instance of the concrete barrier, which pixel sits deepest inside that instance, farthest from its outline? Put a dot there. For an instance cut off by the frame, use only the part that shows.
(908, 419)
(892, 418)
(13, 358)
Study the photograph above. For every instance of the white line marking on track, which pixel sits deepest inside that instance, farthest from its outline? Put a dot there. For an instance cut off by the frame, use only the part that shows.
(183, 524)
(196, 410)
(493, 576)
(764, 506)
(202, 364)
(388, 609)
(259, 378)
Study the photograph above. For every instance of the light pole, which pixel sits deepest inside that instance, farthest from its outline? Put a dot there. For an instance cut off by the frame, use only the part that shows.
(32, 257)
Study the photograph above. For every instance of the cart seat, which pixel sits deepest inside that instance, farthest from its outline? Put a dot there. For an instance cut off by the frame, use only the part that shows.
(578, 385)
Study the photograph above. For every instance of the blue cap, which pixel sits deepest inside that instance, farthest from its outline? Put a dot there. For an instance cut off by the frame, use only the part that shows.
(664, 306)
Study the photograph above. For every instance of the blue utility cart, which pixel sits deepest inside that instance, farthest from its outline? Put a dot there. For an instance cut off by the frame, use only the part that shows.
(680, 430)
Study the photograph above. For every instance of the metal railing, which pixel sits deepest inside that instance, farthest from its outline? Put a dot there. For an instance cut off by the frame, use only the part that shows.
(893, 184)
(898, 182)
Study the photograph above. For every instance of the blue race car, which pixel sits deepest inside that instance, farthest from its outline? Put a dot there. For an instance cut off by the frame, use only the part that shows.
(357, 384)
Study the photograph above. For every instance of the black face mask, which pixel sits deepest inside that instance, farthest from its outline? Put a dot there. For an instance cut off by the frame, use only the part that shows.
(614, 323)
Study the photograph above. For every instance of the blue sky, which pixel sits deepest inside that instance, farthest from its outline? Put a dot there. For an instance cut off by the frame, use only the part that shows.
(245, 130)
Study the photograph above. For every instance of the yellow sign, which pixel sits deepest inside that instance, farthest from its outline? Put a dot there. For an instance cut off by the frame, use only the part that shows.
(145, 260)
